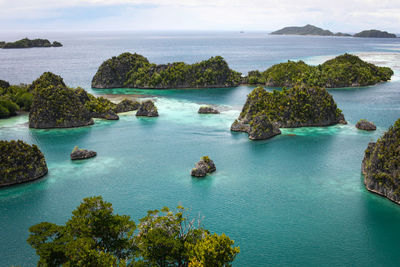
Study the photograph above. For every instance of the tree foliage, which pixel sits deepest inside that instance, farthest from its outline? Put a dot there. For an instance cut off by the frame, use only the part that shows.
(96, 236)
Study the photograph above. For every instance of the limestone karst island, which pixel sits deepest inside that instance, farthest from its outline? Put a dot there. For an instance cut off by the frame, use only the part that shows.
(199, 133)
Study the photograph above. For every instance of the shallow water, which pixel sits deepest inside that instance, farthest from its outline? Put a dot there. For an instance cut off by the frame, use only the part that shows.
(297, 199)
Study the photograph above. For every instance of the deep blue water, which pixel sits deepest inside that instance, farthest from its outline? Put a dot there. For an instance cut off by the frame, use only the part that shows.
(288, 201)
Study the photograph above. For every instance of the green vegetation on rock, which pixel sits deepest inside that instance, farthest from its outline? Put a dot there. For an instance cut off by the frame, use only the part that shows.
(300, 106)
(27, 43)
(14, 98)
(381, 164)
(57, 106)
(96, 236)
(343, 71)
(135, 71)
(20, 162)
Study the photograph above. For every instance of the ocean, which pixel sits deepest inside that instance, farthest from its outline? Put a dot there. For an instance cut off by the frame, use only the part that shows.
(297, 199)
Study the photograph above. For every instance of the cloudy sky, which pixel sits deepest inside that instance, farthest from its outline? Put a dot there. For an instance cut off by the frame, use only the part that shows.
(260, 15)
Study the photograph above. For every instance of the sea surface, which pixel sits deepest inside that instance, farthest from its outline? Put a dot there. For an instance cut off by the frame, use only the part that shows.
(297, 199)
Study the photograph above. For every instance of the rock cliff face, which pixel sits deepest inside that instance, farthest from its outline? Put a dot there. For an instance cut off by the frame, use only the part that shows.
(55, 105)
(204, 166)
(381, 165)
(135, 71)
(261, 127)
(20, 162)
(365, 125)
(147, 109)
(264, 112)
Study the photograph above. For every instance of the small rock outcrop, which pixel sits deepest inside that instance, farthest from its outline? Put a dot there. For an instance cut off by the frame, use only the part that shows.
(147, 109)
(204, 166)
(261, 128)
(207, 110)
(365, 125)
(126, 105)
(78, 153)
(381, 165)
(20, 162)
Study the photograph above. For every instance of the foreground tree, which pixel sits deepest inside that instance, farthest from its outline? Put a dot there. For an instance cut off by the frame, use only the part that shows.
(95, 236)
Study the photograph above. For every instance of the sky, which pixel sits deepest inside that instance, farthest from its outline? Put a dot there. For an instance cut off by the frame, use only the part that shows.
(251, 15)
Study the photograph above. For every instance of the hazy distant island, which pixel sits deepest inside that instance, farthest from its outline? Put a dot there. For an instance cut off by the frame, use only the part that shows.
(307, 30)
(375, 34)
(313, 30)
(28, 43)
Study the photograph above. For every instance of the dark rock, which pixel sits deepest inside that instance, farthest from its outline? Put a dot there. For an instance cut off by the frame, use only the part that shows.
(55, 105)
(207, 110)
(56, 44)
(126, 105)
(365, 125)
(148, 109)
(381, 165)
(204, 166)
(240, 126)
(261, 127)
(20, 162)
(78, 153)
(4, 84)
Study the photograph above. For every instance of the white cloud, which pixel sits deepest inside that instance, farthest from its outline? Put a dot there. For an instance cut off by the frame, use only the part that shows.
(338, 15)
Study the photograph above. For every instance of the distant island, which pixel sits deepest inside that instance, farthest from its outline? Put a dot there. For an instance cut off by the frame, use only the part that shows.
(307, 30)
(28, 43)
(375, 34)
(313, 30)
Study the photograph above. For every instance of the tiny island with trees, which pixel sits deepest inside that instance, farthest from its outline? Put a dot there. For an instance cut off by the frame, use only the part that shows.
(28, 43)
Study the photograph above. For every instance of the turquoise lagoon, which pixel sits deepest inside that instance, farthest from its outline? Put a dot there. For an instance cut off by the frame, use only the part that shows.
(295, 200)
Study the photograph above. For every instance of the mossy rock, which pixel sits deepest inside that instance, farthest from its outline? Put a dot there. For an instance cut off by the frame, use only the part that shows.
(147, 109)
(381, 164)
(135, 71)
(56, 106)
(343, 71)
(365, 125)
(20, 162)
(299, 106)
